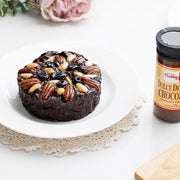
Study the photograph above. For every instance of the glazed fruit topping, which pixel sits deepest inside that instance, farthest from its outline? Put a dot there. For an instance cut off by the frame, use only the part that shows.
(43, 75)
(62, 83)
(59, 75)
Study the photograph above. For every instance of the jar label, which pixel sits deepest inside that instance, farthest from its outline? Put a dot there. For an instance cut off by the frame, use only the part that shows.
(167, 87)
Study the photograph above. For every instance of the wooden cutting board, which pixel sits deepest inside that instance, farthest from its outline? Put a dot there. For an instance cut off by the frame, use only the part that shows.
(163, 167)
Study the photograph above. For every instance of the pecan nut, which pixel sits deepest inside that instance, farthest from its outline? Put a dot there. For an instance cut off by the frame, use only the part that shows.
(47, 90)
(93, 69)
(28, 83)
(91, 82)
(60, 59)
(68, 93)
(27, 70)
(79, 60)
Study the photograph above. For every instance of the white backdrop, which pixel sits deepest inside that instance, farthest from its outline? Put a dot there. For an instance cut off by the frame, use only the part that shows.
(129, 28)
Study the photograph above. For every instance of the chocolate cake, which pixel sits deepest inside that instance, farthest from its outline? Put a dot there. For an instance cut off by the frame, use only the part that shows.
(60, 86)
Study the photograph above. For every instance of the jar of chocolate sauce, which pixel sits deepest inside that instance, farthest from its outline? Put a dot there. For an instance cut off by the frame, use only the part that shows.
(167, 82)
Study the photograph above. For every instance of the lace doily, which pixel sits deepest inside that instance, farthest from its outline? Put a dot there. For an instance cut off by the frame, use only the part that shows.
(62, 146)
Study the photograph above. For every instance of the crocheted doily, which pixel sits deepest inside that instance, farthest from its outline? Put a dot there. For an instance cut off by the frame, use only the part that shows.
(62, 146)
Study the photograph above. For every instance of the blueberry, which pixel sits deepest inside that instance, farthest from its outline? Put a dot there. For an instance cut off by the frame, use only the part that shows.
(62, 83)
(42, 74)
(60, 75)
(53, 76)
(77, 79)
(56, 63)
(65, 53)
(72, 67)
(50, 64)
(42, 60)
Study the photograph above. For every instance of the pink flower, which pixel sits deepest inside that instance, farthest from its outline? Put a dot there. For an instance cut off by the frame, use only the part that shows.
(65, 10)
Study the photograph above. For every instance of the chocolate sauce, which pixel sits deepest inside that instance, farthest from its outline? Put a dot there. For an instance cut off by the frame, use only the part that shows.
(167, 82)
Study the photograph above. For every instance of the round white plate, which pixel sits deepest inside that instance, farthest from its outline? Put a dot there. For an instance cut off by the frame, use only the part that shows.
(119, 92)
(173, 18)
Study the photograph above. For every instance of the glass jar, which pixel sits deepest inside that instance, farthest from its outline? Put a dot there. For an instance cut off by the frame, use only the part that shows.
(167, 81)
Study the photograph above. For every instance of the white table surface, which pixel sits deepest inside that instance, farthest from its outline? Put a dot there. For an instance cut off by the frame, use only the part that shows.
(129, 28)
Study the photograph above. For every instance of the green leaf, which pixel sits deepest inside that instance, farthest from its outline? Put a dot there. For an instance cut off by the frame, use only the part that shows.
(2, 3)
(23, 9)
(18, 4)
(5, 10)
(14, 10)
(1, 13)
(27, 6)
(10, 4)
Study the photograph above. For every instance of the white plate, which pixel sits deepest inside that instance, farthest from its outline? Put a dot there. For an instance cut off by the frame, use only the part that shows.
(119, 92)
(173, 18)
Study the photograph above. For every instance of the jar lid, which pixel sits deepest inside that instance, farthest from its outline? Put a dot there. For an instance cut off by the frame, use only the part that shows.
(168, 42)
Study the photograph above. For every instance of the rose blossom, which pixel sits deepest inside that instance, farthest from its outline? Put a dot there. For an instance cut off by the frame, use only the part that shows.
(65, 10)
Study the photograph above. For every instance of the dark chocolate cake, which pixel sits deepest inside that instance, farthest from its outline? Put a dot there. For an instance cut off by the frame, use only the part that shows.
(60, 86)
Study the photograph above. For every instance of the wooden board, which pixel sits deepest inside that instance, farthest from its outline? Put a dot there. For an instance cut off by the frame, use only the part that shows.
(164, 167)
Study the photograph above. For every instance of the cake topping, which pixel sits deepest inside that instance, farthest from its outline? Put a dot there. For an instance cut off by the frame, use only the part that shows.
(62, 83)
(49, 70)
(52, 64)
(93, 69)
(33, 65)
(51, 58)
(53, 81)
(69, 80)
(71, 57)
(59, 75)
(27, 70)
(34, 87)
(89, 75)
(29, 83)
(48, 89)
(81, 87)
(69, 93)
(60, 91)
(77, 73)
(42, 75)
(79, 60)
(88, 63)
(77, 79)
(64, 73)
(63, 66)
(26, 75)
(90, 82)
(72, 66)
(60, 59)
